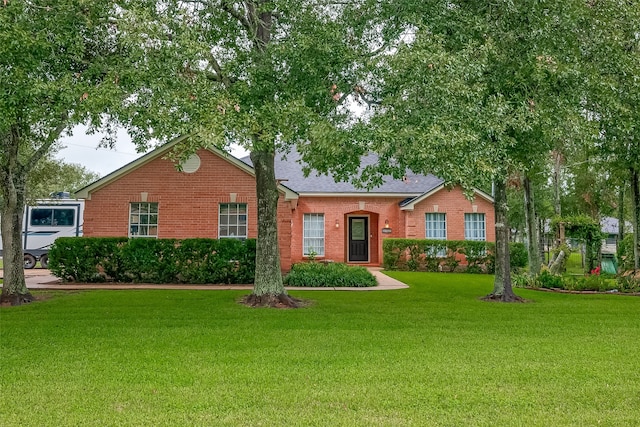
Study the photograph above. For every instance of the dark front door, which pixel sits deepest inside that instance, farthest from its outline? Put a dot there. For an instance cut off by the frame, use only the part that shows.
(358, 239)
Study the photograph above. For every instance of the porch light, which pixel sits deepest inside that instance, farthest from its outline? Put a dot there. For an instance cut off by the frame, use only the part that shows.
(386, 223)
(337, 224)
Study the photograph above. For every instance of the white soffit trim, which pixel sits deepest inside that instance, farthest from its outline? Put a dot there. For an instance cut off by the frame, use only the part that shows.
(360, 195)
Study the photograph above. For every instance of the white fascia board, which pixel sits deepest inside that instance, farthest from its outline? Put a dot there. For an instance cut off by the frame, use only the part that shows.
(366, 195)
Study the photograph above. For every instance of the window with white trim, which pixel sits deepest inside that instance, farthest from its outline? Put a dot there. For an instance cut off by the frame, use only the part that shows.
(143, 219)
(436, 228)
(313, 234)
(474, 227)
(232, 221)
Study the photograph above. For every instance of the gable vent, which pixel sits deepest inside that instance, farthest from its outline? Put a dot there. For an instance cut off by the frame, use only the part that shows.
(192, 164)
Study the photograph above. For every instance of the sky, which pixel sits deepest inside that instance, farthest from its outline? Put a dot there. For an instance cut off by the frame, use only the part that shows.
(82, 149)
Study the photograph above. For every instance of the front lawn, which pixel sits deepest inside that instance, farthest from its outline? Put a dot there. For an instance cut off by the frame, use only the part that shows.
(433, 354)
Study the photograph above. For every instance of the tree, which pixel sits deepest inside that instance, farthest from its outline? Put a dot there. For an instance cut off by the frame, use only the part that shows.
(614, 93)
(483, 83)
(53, 56)
(53, 175)
(264, 74)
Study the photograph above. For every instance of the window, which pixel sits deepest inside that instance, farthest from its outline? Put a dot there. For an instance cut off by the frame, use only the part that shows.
(232, 221)
(143, 220)
(436, 228)
(53, 217)
(474, 226)
(313, 234)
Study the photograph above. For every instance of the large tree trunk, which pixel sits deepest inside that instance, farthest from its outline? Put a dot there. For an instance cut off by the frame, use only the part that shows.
(502, 289)
(635, 196)
(13, 177)
(532, 229)
(268, 289)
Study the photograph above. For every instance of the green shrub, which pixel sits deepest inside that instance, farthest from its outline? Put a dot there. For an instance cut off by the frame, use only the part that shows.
(625, 253)
(523, 280)
(314, 274)
(216, 261)
(85, 259)
(518, 254)
(629, 281)
(548, 280)
(427, 255)
(592, 282)
(149, 261)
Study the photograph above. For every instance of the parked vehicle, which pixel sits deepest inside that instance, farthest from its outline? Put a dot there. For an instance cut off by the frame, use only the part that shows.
(43, 223)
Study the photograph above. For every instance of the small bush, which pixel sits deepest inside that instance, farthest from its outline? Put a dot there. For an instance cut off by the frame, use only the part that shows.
(629, 281)
(313, 274)
(592, 282)
(92, 259)
(518, 255)
(523, 281)
(85, 259)
(548, 280)
(625, 253)
(445, 255)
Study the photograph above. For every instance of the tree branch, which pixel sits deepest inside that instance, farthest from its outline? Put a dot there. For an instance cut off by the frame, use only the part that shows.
(242, 19)
(219, 75)
(44, 148)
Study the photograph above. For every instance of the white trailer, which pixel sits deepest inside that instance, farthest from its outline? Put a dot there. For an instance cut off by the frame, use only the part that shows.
(43, 223)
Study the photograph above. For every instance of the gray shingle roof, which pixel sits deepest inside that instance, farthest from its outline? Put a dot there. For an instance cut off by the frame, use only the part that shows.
(290, 169)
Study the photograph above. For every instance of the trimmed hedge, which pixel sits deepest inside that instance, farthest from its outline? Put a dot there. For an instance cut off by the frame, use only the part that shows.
(315, 274)
(120, 259)
(444, 255)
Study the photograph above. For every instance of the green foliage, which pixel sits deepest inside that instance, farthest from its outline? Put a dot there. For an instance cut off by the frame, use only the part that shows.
(84, 259)
(52, 175)
(56, 63)
(629, 281)
(625, 253)
(226, 260)
(518, 255)
(426, 255)
(331, 274)
(562, 266)
(593, 282)
(548, 280)
(585, 229)
(149, 261)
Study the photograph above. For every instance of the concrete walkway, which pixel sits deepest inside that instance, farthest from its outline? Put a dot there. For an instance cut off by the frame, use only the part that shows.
(41, 279)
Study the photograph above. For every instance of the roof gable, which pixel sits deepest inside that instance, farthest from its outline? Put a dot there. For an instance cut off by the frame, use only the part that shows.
(85, 192)
(410, 204)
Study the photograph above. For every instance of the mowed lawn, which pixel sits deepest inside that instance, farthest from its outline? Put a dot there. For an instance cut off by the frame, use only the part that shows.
(430, 355)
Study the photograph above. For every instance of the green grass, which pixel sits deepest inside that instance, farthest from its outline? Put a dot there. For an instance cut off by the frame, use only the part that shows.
(574, 264)
(425, 356)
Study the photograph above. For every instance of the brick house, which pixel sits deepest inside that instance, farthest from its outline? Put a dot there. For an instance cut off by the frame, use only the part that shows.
(214, 196)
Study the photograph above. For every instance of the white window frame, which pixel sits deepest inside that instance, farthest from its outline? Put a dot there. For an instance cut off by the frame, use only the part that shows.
(313, 234)
(238, 220)
(138, 222)
(439, 233)
(475, 227)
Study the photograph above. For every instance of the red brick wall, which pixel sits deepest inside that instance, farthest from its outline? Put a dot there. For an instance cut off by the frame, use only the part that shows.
(409, 224)
(188, 204)
(188, 207)
(454, 204)
(378, 209)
